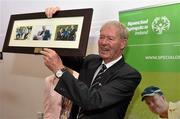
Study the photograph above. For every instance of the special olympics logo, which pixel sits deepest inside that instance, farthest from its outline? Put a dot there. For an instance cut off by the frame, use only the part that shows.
(160, 24)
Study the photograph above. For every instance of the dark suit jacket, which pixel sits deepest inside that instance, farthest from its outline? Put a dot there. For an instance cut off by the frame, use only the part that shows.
(106, 101)
(46, 35)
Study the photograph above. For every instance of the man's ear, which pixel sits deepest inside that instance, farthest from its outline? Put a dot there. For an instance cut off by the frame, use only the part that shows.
(123, 43)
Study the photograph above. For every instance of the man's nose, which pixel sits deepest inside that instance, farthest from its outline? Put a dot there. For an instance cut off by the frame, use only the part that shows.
(151, 104)
(104, 40)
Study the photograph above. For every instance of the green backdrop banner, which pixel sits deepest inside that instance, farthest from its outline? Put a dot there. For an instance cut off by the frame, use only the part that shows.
(154, 49)
(154, 38)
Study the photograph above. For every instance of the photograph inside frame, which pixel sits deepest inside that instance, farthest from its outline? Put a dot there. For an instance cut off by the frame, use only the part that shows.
(42, 33)
(66, 32)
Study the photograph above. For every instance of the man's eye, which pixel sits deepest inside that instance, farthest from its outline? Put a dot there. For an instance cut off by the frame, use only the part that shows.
(102, 37)
(109, 38)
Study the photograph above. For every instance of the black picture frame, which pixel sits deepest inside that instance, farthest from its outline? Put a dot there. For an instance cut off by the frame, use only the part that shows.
(67, 32)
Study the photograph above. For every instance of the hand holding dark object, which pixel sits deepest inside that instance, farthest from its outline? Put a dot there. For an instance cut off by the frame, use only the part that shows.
(52, 59)
(51, 10)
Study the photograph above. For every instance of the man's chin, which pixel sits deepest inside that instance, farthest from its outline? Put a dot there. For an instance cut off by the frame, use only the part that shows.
(156, 111)
(103, 56)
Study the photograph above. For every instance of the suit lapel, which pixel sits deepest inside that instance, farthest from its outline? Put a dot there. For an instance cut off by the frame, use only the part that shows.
(111, 70)
(91, 71)
(107, 75)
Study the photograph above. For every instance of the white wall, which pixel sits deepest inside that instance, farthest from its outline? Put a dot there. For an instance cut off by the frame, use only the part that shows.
(21, 75)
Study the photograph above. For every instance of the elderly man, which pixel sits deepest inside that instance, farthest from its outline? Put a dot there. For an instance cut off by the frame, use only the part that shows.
(106, 82)
(157, 103)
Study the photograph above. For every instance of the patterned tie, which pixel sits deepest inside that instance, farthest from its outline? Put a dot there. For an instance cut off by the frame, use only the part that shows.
(100, 73)
(96, 79)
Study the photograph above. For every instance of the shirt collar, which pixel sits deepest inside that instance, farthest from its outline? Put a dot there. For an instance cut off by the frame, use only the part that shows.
(172, 106)
(112, 62)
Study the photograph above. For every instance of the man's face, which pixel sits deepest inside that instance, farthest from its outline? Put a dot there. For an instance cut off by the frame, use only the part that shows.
(156, 103)
(109, 44)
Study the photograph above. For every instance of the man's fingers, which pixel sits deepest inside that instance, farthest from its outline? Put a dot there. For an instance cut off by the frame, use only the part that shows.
(50, 11)
(49, 54)
(47, 50)
(47, 12)
(55, 10)
(45, 53)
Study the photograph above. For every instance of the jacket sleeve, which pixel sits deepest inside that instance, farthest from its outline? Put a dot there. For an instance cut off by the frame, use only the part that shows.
(121, 88)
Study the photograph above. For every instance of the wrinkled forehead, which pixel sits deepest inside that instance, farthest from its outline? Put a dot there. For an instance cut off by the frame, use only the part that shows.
(110, 26)
(116, 28)
(109, 30)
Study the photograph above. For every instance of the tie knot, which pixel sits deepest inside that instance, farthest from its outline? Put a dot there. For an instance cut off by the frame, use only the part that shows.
(100, 73)
(103, 67)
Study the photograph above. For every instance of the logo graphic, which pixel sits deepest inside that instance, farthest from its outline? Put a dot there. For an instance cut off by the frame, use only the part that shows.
(160, 24)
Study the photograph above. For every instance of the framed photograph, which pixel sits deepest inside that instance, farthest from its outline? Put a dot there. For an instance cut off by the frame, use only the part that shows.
(67, 32)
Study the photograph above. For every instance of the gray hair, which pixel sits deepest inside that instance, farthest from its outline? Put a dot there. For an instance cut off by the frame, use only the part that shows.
(121, 29)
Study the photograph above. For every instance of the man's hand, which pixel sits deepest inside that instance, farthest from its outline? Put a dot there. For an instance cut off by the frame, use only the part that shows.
(52, 60)
(51, 10)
